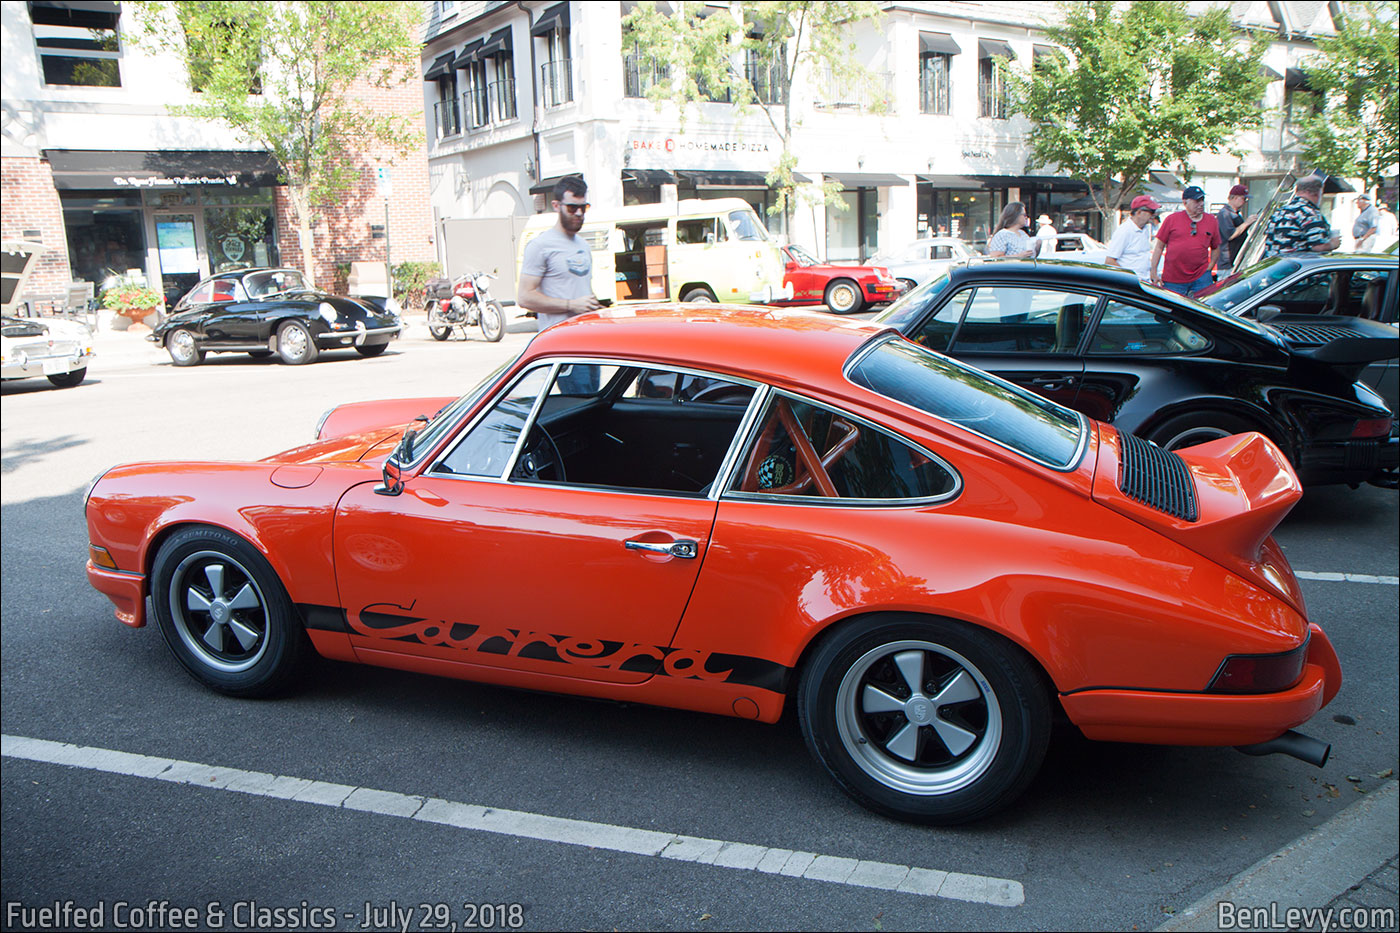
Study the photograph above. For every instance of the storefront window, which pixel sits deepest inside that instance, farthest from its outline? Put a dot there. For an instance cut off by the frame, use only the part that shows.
(239, 237)
(106, 235)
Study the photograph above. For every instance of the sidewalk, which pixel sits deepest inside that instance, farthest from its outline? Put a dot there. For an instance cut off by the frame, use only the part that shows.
(1346, 864)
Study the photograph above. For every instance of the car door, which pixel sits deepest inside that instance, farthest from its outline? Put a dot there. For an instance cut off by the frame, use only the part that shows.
(1136, 356)
(1028, 335)
(536, 541)
(240, 320)
(805, 284)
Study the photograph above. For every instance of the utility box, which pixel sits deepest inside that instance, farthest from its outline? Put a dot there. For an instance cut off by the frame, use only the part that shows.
(368, 278)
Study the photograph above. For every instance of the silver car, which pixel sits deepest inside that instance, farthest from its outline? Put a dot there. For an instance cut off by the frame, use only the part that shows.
(917, 262)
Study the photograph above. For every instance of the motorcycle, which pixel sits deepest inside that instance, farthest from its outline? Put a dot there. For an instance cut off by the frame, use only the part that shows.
(462, 303)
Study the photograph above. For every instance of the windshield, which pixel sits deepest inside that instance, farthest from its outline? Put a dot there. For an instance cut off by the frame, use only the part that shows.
(801, 256)
(446, 418)
(1239, 288)
(746, 225)
(913, 304)
(1007, 414)
(273, 282)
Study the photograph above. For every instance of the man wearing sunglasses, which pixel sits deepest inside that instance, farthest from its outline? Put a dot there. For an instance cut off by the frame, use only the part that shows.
(1191, 240)
(556, 269)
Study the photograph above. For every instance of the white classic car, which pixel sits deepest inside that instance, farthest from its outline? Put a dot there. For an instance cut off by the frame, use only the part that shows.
(51, 347)
(917, 262)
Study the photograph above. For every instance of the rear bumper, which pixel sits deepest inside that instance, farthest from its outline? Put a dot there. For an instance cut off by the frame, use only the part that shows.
(884, 291)
(1112, 715)
(127, 591)
(1351, 461)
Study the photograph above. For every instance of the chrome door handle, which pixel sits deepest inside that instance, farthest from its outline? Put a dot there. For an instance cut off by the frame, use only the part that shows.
(686, 549)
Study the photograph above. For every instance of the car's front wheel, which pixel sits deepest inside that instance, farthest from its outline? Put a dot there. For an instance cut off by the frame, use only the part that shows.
(183, 347)
(371, 349)
(925, 719)
(224, 613)
(295, 345)
(842, 297)
(69, 379)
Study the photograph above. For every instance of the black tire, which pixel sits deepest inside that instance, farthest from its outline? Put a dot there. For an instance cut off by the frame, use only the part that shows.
(439, 331)
(259, 354)
(372, 349)
(224, 613)
(295, 345)
(699, 294)
(842, 296)
(1185, 431)
(493, 321)
(69, 379)
(995, 701)
(183, 346)
(909, 285)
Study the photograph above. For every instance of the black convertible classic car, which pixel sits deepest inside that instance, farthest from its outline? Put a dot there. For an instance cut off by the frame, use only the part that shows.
(1166, 368)
(265, 311)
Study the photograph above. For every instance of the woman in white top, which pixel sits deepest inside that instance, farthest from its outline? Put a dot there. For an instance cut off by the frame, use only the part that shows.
(1010, 240)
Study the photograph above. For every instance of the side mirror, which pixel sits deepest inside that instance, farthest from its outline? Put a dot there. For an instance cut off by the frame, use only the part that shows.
(791, 265)
(393, 471)
(1266, 313)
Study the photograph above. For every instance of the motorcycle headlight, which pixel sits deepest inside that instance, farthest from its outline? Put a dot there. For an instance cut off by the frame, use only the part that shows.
(327, 312)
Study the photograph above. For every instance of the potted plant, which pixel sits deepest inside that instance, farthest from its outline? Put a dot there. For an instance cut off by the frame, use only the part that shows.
(130, 300)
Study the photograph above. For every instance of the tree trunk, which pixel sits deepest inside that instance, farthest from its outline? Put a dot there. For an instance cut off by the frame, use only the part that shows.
(301, 206)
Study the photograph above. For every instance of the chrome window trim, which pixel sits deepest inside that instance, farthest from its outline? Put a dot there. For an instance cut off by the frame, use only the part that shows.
(484, 388)
(747, 424)
(880, 339)
(470, 425)
(530, 420)
(910, 502)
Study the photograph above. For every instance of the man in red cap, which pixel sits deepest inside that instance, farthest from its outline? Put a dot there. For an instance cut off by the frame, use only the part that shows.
(1233, 225)
(1191, 240)
(1131, 245)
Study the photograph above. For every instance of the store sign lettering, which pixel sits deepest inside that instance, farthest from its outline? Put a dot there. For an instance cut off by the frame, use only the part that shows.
(691, 145)
(165, 181)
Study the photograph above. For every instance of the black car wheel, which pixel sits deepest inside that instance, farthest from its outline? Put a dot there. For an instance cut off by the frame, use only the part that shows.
(925, 719)
(842, 297)
(295, 344)
(259, 354)
(69, 379)
(1189, 430)
(224, 613)
(183, 347)
(371, 349)
(493, 321)
(701, 295)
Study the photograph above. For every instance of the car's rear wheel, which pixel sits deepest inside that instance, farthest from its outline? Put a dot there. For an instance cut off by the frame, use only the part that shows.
(493, 321)
(183, 347)
(69, 379)
(224, 613)
(1189, 430)
(842, 297)
(372, 349)
(699, 294)
(295, 344)
(259, 354)
(925, 719)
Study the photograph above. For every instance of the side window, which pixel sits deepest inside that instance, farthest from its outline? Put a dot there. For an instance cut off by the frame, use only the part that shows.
(695, 232)
(801, 449)
(1006, 319)
(487, 447)
(225, 290)
(1315, 289)
(1128, 329)
(1361, 279)
(942, 252)
(201, 295)
(937, 331)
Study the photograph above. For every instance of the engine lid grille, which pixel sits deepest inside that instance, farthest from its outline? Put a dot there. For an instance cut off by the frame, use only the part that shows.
(1156, 477)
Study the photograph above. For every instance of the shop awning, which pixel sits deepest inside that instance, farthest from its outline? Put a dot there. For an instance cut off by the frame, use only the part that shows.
(441, 66)
(1043, 51)
(469, 54)
(551, 19)
(951, 181)
(867, 179)
(994, 48)
(545, 186)
(708, 179)
(76, 169)
(499, 43)
(1165, 179)
(1269, 73)
(938, 43)
(648, 177)
(80, 15)
(1331, 184)
(1296, 78)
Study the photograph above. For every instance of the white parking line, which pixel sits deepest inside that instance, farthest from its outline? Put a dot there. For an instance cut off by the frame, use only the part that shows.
(1346, 577)
(926, 882)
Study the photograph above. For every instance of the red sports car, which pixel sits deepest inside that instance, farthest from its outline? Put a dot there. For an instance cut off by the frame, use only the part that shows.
(844, 289)
(739, 509)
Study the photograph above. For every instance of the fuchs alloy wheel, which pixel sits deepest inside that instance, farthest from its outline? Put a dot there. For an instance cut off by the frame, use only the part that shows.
(440, 329)
(842, 297)
(224, 613)
(925, 719)
(1189, 430)
(295, 344)
(493, 321)
(183, 347)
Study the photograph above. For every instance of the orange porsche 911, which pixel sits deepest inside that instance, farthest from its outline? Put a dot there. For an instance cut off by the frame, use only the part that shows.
(731, 510)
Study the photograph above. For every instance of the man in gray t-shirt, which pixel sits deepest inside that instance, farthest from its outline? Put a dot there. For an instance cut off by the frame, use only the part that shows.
(556, 270)
(1367, 223)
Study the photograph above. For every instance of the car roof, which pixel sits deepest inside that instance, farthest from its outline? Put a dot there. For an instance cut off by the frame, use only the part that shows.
(799, 348)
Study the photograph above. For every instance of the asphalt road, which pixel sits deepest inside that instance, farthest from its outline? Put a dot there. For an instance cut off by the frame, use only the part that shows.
(1108, 837)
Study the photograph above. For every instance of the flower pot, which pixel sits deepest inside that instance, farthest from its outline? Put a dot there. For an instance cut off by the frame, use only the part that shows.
(120, 322)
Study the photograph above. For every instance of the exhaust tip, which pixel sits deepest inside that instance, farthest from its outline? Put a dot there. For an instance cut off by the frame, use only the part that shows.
(1294, 744)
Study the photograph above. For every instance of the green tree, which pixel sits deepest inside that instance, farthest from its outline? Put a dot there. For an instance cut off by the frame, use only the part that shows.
(280, 74)
(1355, 130)
(1142, 85)
(749, 56)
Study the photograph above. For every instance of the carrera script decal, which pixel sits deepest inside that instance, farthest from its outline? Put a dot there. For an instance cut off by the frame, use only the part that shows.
(373, 621)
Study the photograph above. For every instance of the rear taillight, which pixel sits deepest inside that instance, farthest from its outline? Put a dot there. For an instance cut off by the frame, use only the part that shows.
(1371, 427)
(1260, 673)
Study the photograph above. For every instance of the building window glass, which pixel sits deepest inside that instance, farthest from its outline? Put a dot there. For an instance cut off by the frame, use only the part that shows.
(501, 88)
(991, 90)
(106, 234)
(640, 73)
(933, 82)
(449, 118)
(77, 47)
(240, 237)
(556, 73)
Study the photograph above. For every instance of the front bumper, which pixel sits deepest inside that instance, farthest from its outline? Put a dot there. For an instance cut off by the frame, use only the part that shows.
(1112, 715)
(24, 364)
(359, 337)
(127, 591)
(768, 294)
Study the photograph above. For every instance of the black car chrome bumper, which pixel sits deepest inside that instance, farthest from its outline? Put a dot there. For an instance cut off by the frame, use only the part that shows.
(359, 336)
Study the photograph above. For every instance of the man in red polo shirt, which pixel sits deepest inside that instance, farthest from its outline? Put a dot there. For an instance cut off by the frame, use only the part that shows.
(1191, 240)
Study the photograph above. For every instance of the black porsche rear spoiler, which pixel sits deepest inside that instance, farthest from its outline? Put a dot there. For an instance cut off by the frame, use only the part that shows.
(1339, 341)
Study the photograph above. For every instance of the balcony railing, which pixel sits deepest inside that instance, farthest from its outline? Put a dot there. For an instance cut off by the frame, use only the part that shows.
(992, 100)
(641, 73)
(766, 82)
(870, 90)
(502, 99)
(448, 118)
(557, 82)
(933, 92)
(474, 108)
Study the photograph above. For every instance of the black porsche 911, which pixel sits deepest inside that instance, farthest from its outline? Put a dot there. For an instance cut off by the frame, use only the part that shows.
(265, 311)
(1166, 368)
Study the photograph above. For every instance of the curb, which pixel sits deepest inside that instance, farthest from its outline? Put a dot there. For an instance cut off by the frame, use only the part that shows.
(1311, 871)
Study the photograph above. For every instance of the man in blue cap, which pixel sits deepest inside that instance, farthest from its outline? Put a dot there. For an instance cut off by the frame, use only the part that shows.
(1191, 240)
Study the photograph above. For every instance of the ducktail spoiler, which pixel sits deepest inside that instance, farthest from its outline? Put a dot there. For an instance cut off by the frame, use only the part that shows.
(1222, 499)
(1339, 341)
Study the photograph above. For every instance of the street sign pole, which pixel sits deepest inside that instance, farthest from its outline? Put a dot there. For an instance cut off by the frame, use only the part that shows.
(385, 182)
